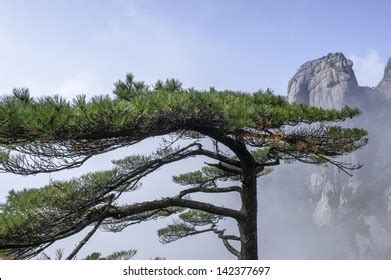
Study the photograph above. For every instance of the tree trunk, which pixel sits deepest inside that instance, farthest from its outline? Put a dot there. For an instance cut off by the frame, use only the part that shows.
(248, 226)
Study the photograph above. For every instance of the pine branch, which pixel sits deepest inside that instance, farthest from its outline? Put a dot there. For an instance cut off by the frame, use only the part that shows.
(84, 241)
(210, 190)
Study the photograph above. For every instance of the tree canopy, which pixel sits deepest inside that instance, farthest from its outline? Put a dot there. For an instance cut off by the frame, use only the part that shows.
(249, 132)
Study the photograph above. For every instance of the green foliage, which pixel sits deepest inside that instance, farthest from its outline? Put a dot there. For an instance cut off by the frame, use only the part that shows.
(22, 94)
(198, 218)
(169, 86)
(129, 89)
(174, 232)
(119, 255)
(335, 133)
(190, 222)
(94, 256)
(205, 177)
(261, 154)
(30, 205)
(191, 178)
(60, 195)
(21, 206)
(51, 118)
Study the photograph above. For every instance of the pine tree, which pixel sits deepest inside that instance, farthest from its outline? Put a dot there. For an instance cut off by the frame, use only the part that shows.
(249, 134)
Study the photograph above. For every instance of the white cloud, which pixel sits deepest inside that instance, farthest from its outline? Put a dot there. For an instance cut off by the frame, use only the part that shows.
(81, 83)
(369, 68)
(71, 86)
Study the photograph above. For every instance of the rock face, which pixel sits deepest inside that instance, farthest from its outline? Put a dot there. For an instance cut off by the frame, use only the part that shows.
(357, 207)
(385, 84)
(328, 82)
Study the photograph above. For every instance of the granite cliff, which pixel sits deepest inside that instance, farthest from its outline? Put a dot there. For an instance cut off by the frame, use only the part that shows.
(385, 84)
(356, 209)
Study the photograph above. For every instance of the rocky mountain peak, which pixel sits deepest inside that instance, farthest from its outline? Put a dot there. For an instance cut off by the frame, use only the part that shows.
(385, 84)
(337, 60)
(324, 82)
(387, 71)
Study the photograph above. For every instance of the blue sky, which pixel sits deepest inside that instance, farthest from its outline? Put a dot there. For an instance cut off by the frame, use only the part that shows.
(72, 47)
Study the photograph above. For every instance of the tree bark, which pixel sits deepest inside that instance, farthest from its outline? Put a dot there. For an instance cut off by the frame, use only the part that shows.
(248, 226)
(247, 223)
